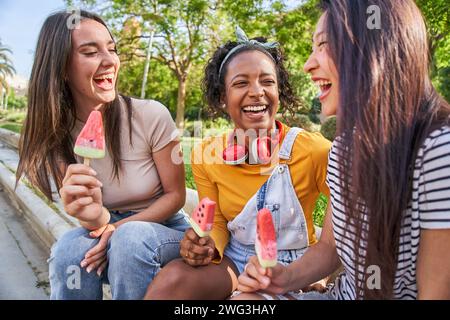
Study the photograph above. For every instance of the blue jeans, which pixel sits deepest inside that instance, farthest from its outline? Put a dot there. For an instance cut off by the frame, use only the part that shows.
(136, 252)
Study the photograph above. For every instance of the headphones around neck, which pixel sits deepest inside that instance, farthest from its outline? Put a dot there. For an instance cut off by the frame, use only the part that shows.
(260, 150)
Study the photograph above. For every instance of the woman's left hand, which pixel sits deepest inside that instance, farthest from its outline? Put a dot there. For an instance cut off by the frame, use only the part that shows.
(96, 257)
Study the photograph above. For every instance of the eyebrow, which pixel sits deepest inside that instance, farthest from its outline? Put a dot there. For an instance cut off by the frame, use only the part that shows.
(93, 44)
(246, 76)
(316, 35)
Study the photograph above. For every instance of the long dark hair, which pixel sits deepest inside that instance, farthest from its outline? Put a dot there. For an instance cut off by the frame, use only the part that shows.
(387, 108)
(46, 145)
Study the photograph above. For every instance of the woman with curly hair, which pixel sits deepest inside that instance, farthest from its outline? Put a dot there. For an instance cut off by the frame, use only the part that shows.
(262, 163)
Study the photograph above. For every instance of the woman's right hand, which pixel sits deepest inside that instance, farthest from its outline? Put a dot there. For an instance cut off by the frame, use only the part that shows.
(271, 280)
(81, 193)
(195, 250)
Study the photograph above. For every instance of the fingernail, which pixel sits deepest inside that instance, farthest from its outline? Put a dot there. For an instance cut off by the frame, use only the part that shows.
(89, 269)
(100, 184)
(93, 172)
(83, 264)
(99, 273)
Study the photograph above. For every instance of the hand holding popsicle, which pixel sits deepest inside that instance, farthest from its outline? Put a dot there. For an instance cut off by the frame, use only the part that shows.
(197, 248)
(274, 280)
(81, 194)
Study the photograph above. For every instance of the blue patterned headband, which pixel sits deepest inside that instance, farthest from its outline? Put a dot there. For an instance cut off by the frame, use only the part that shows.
(243, 41)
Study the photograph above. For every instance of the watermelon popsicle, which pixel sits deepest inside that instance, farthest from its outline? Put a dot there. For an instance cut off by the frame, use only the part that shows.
(203, 217)
(90, 143)
(266, 239)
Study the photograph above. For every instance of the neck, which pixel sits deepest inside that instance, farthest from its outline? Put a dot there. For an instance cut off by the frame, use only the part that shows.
(84, 108)
(250, 134)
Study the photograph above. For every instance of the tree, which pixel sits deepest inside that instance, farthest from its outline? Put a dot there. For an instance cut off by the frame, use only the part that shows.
(437, 16)
(6, 66)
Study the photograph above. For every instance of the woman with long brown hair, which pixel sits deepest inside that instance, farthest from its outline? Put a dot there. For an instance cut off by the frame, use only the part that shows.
(389, 167)
(129, 202)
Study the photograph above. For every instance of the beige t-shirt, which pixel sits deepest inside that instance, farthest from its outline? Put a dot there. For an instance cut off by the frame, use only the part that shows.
(140, 185)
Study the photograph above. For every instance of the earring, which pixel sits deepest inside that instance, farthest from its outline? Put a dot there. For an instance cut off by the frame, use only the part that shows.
(224, 106)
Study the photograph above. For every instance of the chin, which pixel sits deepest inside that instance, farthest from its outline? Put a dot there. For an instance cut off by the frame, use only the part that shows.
(328, 110)
(107, 98)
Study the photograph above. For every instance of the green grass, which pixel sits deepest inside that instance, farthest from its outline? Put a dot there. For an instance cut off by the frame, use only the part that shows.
(320, 210)
(11, 126)
(187, 143)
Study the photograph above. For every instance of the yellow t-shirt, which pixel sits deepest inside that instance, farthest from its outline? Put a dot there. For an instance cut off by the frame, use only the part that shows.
(232, 186)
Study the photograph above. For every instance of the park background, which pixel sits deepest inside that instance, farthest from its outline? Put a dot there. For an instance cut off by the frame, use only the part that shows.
(164, 45)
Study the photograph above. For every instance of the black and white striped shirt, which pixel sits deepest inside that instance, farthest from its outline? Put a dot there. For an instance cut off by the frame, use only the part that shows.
(429, 209)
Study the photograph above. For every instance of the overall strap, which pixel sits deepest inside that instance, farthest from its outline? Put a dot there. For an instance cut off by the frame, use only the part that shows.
(261, 196)
(288, 143)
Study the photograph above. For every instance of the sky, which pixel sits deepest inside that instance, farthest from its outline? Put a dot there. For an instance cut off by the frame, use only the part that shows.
(20, 23)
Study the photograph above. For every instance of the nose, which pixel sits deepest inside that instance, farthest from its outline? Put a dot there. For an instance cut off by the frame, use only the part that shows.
(311, 63)
(256, 90)
(108, 59)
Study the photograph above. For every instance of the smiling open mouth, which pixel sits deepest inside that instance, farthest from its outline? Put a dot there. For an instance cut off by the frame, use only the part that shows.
(105, 81)
(255, 109)
(324, 87)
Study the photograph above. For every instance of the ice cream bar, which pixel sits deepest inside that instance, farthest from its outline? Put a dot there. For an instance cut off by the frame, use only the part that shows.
(203, 217)
(90, 143)
(266, 239)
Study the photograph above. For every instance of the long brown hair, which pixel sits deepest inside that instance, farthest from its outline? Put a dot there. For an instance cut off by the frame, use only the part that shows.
(387, 108)
(46, 145)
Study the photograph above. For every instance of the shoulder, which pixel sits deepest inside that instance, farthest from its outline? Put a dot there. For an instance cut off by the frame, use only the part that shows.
(314, 144)
(437, 142)
(435, 150)
(209, 150)
(150, 110)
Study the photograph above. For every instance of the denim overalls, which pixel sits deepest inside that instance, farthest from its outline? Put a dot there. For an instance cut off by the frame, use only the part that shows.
(278, 195)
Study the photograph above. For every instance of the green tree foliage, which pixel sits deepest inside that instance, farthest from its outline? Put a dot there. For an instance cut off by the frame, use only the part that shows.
(6, 66)
(188, 31)
(437, 15)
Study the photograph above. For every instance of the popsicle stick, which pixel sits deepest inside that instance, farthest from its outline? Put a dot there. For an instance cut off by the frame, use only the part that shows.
(87, 161)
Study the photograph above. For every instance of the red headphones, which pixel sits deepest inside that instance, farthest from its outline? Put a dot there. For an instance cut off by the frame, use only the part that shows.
(260, 149)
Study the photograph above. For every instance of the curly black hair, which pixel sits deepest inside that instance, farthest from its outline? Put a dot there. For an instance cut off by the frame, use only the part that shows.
(213, 84)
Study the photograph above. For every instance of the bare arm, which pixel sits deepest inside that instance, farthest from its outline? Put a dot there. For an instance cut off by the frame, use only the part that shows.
(172, 180)
(319, 261)
(433, 264)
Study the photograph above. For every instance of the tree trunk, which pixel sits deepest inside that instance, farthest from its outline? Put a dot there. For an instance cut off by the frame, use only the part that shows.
(181, 102)
(147, 64)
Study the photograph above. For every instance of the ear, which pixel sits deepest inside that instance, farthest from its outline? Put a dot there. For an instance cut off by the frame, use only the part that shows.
(223, 104)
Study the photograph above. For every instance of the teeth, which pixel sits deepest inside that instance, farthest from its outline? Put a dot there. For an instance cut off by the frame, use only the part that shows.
(105, 76)
(255, 108)
(322, 83)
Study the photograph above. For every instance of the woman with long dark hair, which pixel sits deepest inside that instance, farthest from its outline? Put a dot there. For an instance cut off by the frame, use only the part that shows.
(389, 167)
(127, 203)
